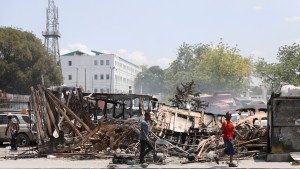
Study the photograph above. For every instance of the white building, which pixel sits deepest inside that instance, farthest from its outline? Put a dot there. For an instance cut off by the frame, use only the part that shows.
(93, 72)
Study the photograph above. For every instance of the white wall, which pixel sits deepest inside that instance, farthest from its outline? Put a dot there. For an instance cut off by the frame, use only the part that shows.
(83, 71)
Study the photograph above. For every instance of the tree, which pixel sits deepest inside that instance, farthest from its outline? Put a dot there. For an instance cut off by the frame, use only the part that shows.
(181, 98)
(23, 62)
(181, 70)
(150, 81)
(223, 68)
(211, 67)
(287, 70)
(267, 72)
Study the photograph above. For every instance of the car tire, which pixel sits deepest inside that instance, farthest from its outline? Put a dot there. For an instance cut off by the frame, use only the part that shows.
(23, 140)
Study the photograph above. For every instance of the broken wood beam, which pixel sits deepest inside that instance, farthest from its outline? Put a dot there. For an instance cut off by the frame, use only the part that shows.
(35, 106)
(88, 136)
(67, 108)
(72, 125)
(45, 110)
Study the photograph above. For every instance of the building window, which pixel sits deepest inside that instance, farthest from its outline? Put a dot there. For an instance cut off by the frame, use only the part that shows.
(70, 77)
(101, 76)
(95, 90)
(96, 77)
(101, 62)
(107, 76)
(107, 62)
(95, 62)
(70, 63)
(101, 90)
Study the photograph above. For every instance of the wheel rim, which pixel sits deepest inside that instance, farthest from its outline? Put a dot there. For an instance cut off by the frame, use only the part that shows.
(22, 141)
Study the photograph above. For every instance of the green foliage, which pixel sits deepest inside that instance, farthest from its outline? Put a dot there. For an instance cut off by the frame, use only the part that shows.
(211, 67)
(286, 70)
(23, 61)
(289, 64)
(182, 93)
(150, 81)
(182, 69)
(222, 68)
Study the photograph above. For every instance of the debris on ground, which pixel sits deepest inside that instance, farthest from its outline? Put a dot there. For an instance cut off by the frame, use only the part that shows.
(71, 123)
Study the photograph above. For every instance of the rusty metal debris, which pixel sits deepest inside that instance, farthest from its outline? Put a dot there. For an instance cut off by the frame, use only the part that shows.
(71, 123)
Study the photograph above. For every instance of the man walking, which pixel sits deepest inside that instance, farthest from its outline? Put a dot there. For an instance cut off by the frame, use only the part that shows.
(143, 137)
(228, 131)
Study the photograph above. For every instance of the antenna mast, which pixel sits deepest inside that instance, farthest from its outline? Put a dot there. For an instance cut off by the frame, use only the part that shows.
(52, 32)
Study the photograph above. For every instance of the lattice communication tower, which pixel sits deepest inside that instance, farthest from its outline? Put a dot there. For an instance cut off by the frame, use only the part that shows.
(52, 32)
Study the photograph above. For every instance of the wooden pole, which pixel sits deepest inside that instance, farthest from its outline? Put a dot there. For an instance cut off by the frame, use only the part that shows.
(40, 131)
(44, 110)
(67, 108)
(49, 110)
(68, 120)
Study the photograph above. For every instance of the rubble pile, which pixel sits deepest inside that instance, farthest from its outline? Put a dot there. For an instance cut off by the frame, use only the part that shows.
(65, 126)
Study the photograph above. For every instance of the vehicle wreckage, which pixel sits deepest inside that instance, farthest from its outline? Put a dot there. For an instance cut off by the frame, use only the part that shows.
(70, 122)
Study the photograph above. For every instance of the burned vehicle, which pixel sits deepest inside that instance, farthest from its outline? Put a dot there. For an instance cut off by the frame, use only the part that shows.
(70, 122)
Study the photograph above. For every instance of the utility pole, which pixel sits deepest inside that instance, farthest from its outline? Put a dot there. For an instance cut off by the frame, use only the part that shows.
(111, 80)
(76, 76)
(52, 32)
(85, 80)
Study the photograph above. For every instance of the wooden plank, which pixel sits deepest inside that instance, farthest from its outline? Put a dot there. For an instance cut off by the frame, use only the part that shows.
(45, 110)
(67, 108)
(40, 130)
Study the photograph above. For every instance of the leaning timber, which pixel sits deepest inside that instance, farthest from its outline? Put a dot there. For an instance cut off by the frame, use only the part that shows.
(72, 122)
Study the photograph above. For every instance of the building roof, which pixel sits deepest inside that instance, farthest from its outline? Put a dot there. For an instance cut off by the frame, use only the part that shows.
(97, 53)
(77, 52)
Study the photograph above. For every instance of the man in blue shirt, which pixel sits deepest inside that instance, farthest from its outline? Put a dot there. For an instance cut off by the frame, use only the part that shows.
(143, 137)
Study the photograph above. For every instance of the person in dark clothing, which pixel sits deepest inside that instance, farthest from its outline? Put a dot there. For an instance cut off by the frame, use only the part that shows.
(13, 142)
(12, 131)
(143, 137)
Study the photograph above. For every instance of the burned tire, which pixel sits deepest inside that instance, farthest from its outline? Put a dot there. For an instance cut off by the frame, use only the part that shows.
(23, 140)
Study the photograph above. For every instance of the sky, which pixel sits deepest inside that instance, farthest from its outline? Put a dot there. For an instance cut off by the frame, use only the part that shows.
(150, 32)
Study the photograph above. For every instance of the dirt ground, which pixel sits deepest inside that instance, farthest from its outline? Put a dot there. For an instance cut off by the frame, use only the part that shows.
(8, 159)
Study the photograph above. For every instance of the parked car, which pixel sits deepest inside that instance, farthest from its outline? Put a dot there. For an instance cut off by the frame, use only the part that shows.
(223, 97)
(25, 135)
(243, 101)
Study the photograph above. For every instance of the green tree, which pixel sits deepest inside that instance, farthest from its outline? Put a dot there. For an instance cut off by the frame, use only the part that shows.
(23, 62)
(289, 64)
(223, 68)
(150, 80)
(268, 73)
(181, 70)
(181, 98)
(211, 67)
(287, 70)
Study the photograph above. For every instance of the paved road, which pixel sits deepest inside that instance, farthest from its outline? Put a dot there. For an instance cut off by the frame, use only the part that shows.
(7, 161)
(104, 163)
